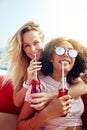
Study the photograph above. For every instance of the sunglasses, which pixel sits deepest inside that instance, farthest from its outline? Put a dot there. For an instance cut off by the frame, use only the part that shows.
(61, 50)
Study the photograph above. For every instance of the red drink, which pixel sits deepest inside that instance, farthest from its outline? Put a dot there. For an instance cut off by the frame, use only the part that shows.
(35, 86)
(62, 92)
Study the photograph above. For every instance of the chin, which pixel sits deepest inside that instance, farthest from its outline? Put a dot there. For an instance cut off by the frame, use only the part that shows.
(66, 69)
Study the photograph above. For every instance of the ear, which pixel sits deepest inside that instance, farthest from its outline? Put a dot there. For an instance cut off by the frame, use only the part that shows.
(51, 60)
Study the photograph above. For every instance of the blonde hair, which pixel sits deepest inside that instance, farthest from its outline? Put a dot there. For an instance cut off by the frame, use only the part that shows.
(15, 55)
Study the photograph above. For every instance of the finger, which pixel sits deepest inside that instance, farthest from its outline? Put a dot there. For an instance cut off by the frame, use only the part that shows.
(36, 100)
(35, 62)
(37, 106)
(34, 59)
(69, 101)
(67, 107)
(65, 97)
(36, 67)
(41, 97)
(41, 94)
(66, 111)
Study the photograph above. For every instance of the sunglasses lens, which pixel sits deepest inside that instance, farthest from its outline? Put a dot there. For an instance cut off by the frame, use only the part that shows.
(72, 53)
(60, 50)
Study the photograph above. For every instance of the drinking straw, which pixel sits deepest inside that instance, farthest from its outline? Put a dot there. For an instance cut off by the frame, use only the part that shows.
(36, 70)
(63, 75)
(35, 73)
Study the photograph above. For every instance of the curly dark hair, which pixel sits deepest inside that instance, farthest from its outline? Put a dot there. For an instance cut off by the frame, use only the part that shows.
(80, 62)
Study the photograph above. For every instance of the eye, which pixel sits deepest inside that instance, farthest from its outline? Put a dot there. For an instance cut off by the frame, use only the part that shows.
(59, 50)
(72, 53)
(26, 45)
(36, 43)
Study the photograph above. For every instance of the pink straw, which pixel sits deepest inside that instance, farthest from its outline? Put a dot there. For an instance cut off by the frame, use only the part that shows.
(36, 70)
(63, 74)
(35, 74)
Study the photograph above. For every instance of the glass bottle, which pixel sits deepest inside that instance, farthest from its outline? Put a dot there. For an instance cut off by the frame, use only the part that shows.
(35, 86)
(35, 83)
(63, 89)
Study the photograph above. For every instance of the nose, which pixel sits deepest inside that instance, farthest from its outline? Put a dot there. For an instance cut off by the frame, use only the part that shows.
(66, 53)
(33, 48)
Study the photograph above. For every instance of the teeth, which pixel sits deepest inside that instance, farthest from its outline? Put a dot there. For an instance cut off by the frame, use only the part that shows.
(65, 62)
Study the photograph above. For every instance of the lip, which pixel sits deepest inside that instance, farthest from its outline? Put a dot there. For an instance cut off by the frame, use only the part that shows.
(33, 54)
(37, 55)
(66, 62)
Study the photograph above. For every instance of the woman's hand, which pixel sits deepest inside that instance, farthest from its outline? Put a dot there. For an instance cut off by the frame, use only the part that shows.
(58, 107)
(33, 66)
(40, 100)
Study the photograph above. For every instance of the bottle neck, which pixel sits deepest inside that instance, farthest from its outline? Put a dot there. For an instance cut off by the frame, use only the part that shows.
(64, 82)
(35, 75)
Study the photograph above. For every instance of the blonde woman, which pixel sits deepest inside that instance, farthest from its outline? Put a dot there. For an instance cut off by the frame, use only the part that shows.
(21, 57)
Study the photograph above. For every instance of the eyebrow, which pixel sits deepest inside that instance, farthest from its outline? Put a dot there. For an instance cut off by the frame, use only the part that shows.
(64, 47)
(25, 43)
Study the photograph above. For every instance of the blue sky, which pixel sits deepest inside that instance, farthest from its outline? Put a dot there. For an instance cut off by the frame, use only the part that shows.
(66, 18)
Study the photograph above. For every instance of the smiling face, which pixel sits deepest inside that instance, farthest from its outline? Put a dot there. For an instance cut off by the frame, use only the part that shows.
(58, 59)
(32, 44)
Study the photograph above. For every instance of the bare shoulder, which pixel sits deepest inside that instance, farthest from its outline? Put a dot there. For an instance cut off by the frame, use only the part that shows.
(84, 77)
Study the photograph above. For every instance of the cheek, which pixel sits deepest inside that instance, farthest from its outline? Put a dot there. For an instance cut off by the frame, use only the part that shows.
(73, 62)
(53, 59)
(27, 51)
(39, 46)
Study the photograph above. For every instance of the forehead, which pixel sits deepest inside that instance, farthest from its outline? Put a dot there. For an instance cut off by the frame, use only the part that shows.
(66, 44)
(31, 36)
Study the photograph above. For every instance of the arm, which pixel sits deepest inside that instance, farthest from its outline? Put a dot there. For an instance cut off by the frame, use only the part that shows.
(84, 77)
(79, 88)
(18, 96)
(20, 91)
(55, 108)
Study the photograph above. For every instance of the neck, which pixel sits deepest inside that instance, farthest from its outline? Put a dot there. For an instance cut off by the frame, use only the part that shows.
(57, 76)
